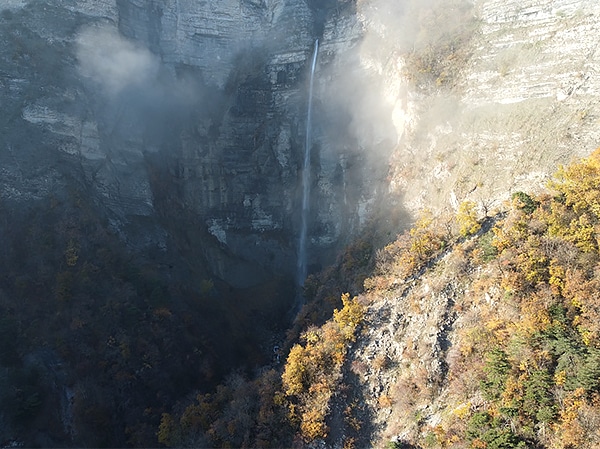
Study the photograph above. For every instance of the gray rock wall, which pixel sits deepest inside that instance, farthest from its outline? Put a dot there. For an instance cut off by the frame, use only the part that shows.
(525, 102)
(238, 164)
(208, 97)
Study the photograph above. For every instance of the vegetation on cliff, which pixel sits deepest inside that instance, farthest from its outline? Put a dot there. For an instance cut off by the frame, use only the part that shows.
(97, 341)
(518, 364)
(522, 366)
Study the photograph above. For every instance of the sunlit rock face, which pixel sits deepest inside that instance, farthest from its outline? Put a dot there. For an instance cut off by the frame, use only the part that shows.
(524, 102)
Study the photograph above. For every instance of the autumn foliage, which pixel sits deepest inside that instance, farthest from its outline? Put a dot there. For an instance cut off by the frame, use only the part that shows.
(523, 366)
(539, 342)
(524, 370)
(313, 369)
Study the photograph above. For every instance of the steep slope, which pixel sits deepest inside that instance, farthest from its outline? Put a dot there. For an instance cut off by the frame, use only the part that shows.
(486, 336)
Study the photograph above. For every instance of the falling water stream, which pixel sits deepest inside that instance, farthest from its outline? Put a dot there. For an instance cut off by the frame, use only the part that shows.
(302, 250)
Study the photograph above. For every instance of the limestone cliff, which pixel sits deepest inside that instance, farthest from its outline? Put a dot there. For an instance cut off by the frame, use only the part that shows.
(525, 101)
(183, 123)
(219, 110)
(208, 97)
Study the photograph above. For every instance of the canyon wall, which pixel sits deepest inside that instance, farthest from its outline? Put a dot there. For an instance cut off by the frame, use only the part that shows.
(191, 111)
(183, 123)
(204, 114)
(523, 101)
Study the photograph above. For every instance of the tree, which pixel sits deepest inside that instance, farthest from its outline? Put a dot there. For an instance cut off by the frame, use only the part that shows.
(467, 219)
(579, 184)
(312, 371)
(496, 368)
(524, 202)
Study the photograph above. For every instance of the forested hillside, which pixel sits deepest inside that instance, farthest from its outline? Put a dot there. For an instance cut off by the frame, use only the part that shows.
(517, 359)
(96, 341)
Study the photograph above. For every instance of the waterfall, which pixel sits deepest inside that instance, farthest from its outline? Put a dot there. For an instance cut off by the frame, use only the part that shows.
(302, 251)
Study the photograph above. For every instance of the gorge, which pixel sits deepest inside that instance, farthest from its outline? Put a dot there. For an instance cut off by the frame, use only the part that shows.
(171, 171)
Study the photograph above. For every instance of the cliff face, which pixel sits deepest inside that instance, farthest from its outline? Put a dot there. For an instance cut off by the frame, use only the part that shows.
(237, 162)
(183, 122)
(525, 101)
(210, 99)
(192, 109)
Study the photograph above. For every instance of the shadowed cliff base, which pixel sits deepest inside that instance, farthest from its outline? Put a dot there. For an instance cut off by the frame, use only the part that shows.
(98, 338)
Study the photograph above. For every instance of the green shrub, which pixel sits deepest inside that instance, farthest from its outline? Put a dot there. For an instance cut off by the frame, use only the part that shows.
(492, 433)
(524, 202)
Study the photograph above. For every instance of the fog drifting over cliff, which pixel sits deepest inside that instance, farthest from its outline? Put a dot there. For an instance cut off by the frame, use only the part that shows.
(119, 68)
(370, 84)
(113, 62)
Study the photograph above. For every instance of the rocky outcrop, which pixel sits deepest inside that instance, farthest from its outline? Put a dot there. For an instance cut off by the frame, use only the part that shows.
(402, 355)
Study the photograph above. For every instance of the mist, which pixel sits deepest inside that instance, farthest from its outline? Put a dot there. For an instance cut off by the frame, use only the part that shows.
(369, 84)
(410, 25)
(113, 62)
(132, 83)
